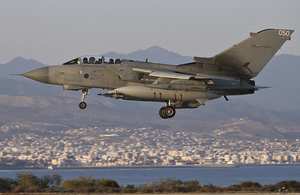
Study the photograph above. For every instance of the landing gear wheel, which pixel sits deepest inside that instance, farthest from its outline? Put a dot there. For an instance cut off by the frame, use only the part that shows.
(82, 105)
(167, 112)
(162, 113)
(170, 111)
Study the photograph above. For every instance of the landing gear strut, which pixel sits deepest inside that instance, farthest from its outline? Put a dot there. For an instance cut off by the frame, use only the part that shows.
(168, 111)
(82, 104)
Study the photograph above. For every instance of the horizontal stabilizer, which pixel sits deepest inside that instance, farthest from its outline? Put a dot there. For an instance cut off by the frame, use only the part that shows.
(230, 88)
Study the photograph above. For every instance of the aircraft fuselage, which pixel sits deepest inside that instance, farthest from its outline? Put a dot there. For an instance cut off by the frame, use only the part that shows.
(183, 86)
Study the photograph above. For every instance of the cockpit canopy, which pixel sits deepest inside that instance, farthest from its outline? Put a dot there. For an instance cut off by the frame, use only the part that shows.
(93, 60)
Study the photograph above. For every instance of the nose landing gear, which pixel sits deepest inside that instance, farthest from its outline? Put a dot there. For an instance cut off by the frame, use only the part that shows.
(168, 111)
(82, 104)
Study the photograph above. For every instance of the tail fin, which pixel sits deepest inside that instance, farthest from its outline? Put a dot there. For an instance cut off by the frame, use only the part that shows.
(250, 56)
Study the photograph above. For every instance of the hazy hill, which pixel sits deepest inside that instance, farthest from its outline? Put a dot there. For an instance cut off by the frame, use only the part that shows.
(153, 54)
(17, 66)
(269, 113)
(282, 75)
(60, 113)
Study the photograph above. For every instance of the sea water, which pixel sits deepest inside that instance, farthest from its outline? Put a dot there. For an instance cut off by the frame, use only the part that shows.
(223, 176)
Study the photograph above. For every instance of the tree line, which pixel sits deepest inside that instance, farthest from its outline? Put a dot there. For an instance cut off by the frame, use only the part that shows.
(29, 182)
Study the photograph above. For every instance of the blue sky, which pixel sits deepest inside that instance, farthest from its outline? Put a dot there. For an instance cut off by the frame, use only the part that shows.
(55, 31)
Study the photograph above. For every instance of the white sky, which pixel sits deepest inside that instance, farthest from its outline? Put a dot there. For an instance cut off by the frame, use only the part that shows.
(55, 31)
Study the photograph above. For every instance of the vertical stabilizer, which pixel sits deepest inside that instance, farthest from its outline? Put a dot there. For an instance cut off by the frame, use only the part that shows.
(251, 55)
(247, 58)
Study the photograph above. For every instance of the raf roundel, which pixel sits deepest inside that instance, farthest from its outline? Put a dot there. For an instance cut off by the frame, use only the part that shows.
(86, 76)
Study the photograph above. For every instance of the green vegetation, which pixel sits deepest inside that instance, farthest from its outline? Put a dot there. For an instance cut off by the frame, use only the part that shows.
(29, 182)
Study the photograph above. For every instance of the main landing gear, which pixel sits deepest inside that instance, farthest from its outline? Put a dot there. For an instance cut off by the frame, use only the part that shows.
(168, 111)
(82, 104)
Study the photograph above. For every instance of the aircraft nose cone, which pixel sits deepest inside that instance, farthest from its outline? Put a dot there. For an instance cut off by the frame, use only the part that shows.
(40, 74)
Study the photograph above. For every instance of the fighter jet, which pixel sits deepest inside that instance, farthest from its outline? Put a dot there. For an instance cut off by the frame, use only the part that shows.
(183, 86)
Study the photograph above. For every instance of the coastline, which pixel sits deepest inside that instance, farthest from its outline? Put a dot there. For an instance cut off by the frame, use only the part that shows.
(215, 193)
(119, 167)
(138, 167)
(223, 177)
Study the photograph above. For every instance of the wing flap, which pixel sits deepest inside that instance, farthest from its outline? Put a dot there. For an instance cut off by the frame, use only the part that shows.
(177, 75)
(170, 75)
(143, 70)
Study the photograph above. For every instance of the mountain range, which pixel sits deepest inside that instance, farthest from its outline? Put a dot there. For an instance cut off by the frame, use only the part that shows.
(269, 113)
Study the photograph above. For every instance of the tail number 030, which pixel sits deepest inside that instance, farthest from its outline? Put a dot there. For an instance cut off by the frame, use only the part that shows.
(284, 33)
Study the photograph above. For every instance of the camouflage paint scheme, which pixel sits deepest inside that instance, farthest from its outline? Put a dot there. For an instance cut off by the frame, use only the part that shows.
(183, 86)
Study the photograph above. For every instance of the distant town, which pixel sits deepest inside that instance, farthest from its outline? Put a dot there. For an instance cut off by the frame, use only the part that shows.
(99, 147)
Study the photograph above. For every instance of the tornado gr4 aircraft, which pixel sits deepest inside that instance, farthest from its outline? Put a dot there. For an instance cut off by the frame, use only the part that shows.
(184, 86)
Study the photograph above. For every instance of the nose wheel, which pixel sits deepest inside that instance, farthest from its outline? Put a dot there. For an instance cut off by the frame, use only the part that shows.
(82, 104)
